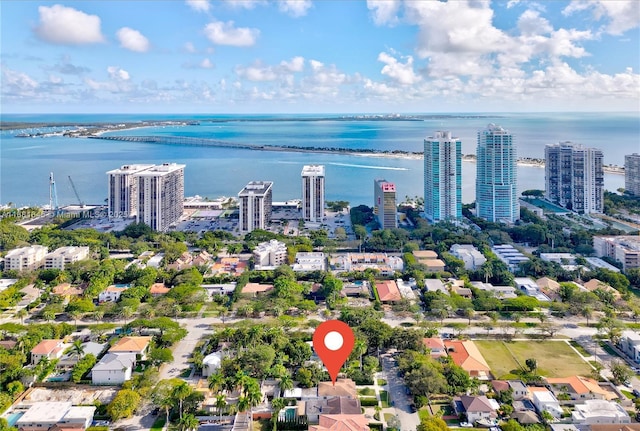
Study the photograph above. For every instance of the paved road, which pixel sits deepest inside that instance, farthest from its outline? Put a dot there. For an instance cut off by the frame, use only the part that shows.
(409, 421)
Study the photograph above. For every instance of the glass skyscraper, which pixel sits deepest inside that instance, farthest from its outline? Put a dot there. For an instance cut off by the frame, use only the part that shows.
(496, 176)
(442, 177)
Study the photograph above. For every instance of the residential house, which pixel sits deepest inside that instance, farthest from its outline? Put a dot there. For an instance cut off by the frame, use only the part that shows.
(465, 354)
(526, 417)
(549, 287)
(435, 285)
(256, 289)
(580, 388)
(594, 284)
(388, 291)
(407, 289)
(158, 289)
(429, 259)
(113, 369)
(356, 289)
(46, 415)
(530, 288)
(211, 363)
(229, 265)
(545, 401)
(436, 347)
(500, 292)
(203, 258)
(219, 289)
(341, 423)
(630, 344)
(50, 349)
(183, 262)
(599, 412)
(67, 291)
(313, 408)
(112, 293)
(136, 345)
(517, 387)
(342, 388)
(470, 255)
(310, 261)
(475, 408)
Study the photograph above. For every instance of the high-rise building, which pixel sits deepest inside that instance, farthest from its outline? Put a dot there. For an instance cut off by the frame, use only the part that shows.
(632, 174)
(160, 195)
(255, 205)
(574, 177)
(123, 191)
(496, 176)
(313, 193)
(442, 177)
(385, 203)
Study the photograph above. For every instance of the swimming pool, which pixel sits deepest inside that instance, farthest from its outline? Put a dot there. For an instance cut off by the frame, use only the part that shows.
(12, 418)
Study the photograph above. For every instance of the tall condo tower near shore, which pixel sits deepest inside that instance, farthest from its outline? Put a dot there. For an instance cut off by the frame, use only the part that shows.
(160, 195)
(123, 191)
(574, 177)
(496, 176)
(313, 193)
(442, 177)
(385, 203)
(255, 205)
(632, 173)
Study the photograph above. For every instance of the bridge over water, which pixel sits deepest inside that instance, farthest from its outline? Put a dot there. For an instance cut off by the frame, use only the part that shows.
(206, 142)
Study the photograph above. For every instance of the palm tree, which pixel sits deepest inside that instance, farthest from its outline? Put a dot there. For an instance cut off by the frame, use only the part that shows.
(98, 314)
(75, 315)
(21, 314)
(165, 403)
(586, 312)
(76, 349)
(188, 422)
(216, 382)
(359, 349)
(243, 404)
(254, 395)
(125, 312)
(181, 391)
(221, 402)
(277, 404)
(286, 382)
(487, 270)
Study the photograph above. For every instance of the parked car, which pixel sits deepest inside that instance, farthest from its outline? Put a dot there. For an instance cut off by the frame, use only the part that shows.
(466, 425)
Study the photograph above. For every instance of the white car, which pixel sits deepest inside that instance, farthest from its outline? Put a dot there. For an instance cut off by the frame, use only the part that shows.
(466, 425)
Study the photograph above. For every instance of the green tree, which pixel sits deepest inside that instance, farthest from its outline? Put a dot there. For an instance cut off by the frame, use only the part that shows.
(432, 423)
(123, 405)
(621, 372)
(531, 364)
(160, 355)
(181, 391)
(188, 423)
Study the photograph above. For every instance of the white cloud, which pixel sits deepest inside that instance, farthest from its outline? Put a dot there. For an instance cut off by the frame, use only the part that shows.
(189, 47)
(244, 4)
(384, 11)
(118, 74)
(199, 5)
(16, 82)
(206, 64)
(67, 26)
(295, 65)
(512, 3)
(401, 72)
(224, 33)
(531, 23)
(132, 40)
(257, 73)
(295, 8)
(316, 65)
(622, 15)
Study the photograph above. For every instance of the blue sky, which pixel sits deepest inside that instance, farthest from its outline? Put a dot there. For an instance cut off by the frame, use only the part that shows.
(304, 56)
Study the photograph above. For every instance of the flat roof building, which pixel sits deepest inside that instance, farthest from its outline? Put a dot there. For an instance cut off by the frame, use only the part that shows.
(65, 255)
(442, 177)
(270, 255)
(25, 258)
(313, 193)
(256, 199)
(574, 177)
(310, 261)
(496, 176)
(160, 195)
(385, 203)
(624, 248)
(470, 255)
(123, 190)
(632, 174)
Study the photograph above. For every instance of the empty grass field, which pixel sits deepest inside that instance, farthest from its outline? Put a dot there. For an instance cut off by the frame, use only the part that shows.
(554, 358)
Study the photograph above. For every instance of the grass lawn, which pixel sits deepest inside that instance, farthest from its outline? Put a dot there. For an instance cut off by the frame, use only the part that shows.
(262, 425)
(158, 424)
(579, 348)
(388, 416)
(366, 391)
(384, 398)
(382, 382)
(555, 358)
(628, 394)
(423, 414)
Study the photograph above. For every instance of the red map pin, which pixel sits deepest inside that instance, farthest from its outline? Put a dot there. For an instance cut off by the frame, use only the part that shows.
(333, 342)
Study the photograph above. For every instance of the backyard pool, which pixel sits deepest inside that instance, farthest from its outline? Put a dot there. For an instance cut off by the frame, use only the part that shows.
(12, 418)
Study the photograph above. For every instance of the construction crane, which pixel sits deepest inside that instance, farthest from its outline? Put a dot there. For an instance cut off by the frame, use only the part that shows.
(73, 186)
(53, 195)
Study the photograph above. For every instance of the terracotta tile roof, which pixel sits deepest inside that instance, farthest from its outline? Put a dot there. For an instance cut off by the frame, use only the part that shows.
(500, 385)
(388, 290)
(466, 355)
(342, 388)
(45, 347)
(341, 423)
(256, 288)
(158, 289)
(433, 343)
(476, 404)
(131, 344)
(580, 385)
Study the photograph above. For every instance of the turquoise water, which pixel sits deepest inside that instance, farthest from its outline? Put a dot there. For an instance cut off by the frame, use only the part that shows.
(12, 418)
(25, 163)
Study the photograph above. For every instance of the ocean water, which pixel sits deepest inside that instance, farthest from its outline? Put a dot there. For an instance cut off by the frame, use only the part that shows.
(25, 163)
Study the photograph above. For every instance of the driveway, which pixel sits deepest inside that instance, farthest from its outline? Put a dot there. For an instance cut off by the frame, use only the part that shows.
(401, 401)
